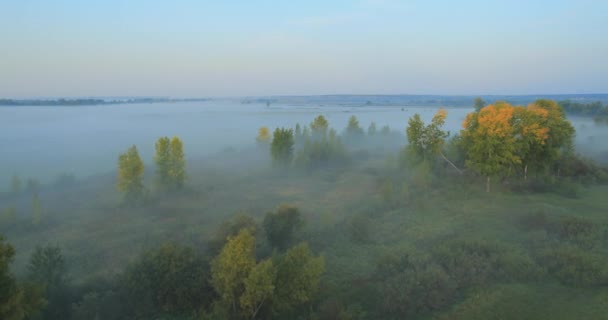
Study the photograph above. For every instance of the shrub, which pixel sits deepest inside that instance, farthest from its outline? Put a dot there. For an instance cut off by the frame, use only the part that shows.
(575, 267)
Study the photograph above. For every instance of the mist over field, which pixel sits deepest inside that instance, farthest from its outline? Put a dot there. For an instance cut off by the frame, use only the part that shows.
(322, 160)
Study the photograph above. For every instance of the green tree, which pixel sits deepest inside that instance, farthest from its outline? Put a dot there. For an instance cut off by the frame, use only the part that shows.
(48, 269)
(490, 142)
(15, 185)
(163, 161)
(281, 148)
(319, 127)
(297, 280)
(178, 164)
(232, 266)
(371, 130)
(353, 130)
(15, 303)
(478, 103)
(169, 279)
(130, 175)
(386, 130)
(280, 227)
(259, 288)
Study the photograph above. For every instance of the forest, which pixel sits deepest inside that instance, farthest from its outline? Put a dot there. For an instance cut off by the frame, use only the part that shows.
(503, 217)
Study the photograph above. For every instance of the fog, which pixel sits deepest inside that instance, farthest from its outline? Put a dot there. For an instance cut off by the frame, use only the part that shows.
(367, 225)
(44, 142)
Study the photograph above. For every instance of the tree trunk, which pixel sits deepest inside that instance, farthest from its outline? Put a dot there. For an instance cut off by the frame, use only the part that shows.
(450, 162)
(526, 173)
(488, 184)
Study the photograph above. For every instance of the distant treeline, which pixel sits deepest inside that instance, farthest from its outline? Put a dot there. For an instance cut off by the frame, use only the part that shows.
(592, 109)
(416, 100)
(88, 102)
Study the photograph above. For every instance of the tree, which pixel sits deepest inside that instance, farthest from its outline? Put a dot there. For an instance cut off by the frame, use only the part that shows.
(491, 147)
(32, 186)
(298, 135)
(177, 172)
(163, 161)
(170, 278)
(259, 287)
(15, 185)
(10, 295)
(232, 266)
(281, 148)
(297, 280)
(371, 130)
(478, 103)
(48, 269)
(170, 163)
(16, 303)
(353, 130)
(281, 226)
(263, 137)
(426, 141)
(319, 127)
(130, 175)
(386, 130)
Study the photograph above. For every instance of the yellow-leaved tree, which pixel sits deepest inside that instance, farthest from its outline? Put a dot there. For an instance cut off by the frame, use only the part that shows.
(263, 137)
(130, 175)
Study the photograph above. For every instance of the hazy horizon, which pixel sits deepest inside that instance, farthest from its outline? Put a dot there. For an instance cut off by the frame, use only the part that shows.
(263, 48)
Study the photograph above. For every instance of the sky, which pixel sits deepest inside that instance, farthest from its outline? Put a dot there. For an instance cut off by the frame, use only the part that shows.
(198, 48)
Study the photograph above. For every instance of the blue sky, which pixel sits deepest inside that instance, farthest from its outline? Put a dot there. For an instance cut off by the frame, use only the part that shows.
(237, 48)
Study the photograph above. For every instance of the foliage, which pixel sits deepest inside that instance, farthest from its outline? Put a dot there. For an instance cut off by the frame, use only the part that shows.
(281, 148)
(171, 279)
(575, 267)
(163, 161)
(371, 130)
(130, 175)
(319, 127)
(231, 228)
(177, 172)
(297, 280)
(48, 268)
(280, 227)
(16, 303)
(259, 287)
(263, 137)
(232, 266)
(425, 141)
(353, 131)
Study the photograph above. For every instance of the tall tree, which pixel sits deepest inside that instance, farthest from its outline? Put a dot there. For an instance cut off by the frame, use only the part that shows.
(353, 130)
(16, 303)
(319, 127)
(259, 288)
(232, 266)
(178, 164)
(298, 277)
(47, 268)
(371, 130)
(491, 147)
(130, 175)
(281, 149)
(163, 161)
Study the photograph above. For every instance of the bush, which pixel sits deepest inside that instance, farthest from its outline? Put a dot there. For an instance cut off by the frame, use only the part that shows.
(477, 262)
(410, 284)
(574, 267)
